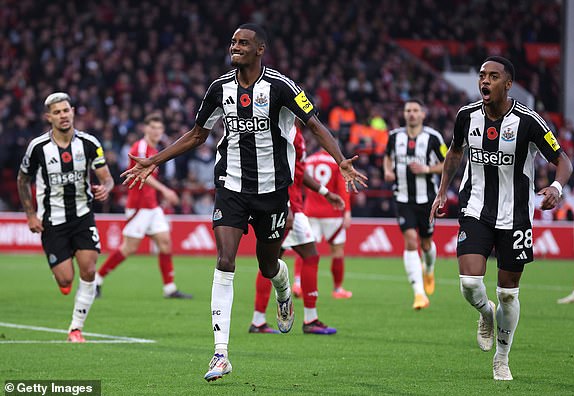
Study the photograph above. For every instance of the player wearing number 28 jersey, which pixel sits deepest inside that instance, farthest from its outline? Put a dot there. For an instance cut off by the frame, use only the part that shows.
(502, 138)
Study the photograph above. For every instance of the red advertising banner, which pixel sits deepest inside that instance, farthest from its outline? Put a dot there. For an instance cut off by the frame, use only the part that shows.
(548, 52)
(192, 235)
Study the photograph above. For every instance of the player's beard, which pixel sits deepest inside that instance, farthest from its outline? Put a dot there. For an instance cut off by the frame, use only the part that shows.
(65, 130)
(236, 64)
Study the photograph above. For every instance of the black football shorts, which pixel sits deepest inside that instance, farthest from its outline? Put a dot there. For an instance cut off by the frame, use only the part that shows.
(513, 247)
(61, 242)
(415, 216)
(267, 213)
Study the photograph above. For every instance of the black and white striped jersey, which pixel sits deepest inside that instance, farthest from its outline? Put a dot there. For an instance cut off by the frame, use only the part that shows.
(427, 148)
(256, 153)
(63, 175)
(498, 183)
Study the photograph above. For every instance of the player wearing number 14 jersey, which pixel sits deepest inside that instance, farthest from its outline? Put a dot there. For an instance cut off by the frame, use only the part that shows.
(502, 137)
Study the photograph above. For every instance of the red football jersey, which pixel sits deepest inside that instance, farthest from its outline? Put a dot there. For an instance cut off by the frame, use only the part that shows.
(146, 198)
(296, 189)
(323, 168)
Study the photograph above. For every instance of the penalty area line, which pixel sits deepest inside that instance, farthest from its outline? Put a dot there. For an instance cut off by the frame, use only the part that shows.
(110, 339)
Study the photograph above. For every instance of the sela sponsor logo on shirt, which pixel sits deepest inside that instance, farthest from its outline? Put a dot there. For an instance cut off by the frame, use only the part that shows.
(407, 159)
(480, 156)
(57, 179)
(247, 125)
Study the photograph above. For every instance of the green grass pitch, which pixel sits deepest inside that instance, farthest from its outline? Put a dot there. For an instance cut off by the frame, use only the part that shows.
(383, 347)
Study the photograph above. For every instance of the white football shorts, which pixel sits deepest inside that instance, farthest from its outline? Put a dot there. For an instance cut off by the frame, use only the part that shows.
(300, 234)
(142, 222)
(330, 228)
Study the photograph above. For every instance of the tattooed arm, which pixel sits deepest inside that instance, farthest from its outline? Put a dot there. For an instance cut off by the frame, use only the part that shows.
(25, 193)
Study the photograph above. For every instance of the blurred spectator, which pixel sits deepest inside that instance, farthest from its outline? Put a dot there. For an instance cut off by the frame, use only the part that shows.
(122, 60)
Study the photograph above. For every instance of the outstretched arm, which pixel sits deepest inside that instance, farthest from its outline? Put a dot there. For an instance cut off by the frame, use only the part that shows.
(25, 192)
(450, 167)
(553, 192)
(145, 166)
(334, 199)
(329, 143)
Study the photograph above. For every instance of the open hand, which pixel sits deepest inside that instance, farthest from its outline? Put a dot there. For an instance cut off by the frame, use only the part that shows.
(139, 172)
(351, 175)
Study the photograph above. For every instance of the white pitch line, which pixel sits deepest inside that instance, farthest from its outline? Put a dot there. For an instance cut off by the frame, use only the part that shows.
(111, 338)
(66, 342)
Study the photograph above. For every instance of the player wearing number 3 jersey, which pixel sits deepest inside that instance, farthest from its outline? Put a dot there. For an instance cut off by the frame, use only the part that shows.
(502, 137)
(61, 161)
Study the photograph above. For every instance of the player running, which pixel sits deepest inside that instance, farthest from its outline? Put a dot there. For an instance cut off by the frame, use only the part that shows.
(145, 216)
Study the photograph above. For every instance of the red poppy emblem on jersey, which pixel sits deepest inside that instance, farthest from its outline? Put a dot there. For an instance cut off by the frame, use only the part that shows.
(412, 144)
(66, 157)
(492, 133)
(245, 100)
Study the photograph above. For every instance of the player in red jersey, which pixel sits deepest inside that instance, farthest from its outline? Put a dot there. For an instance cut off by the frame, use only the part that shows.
(328, 221)
(145, 216)
(300, 238)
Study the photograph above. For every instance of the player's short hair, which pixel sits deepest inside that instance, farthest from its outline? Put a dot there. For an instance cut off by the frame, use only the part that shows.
(57, 97)
(417, 101)
(508, 66)
(260, 34)
(153, 117)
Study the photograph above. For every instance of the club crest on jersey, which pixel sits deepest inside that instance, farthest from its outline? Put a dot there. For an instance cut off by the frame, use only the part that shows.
(79, 156)
(261, 100)
(508, 134)
(217, 215)
(461, 236)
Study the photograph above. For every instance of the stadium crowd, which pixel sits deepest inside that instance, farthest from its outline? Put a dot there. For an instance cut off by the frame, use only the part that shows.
(122, 60)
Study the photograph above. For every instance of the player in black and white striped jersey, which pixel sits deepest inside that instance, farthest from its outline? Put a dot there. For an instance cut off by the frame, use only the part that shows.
(413, 159)
(502, 138)
(254, 167)
(61, 161)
